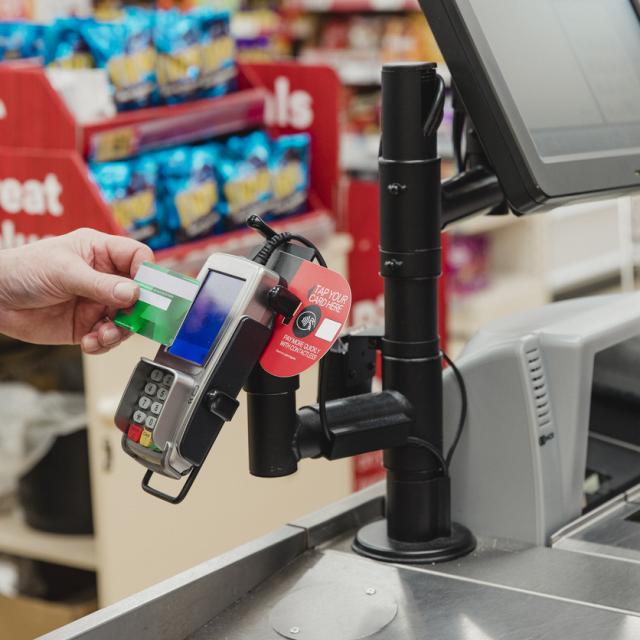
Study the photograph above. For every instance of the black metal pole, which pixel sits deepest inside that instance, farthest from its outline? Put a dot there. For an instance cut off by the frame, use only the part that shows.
(272, 420)
(417, 499)
(418, 523)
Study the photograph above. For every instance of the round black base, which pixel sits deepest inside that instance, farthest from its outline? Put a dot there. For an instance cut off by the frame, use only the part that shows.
(372, 541)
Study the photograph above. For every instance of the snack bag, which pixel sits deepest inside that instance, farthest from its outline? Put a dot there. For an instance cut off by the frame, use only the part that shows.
(217, 52)
(129, 187)
(65, 44)
(190, 190)
(289, 166)
(125, 49)
(243, 174)
(178, 65)
(21, 40)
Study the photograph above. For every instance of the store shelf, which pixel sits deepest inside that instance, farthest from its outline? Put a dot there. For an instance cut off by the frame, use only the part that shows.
(316, 225)
(604, 249)
(359, 151)
(483, 224)
(580, 274)
(356, 68)
(143, 130)
(506, 294)
(17, 538)
(351, 6)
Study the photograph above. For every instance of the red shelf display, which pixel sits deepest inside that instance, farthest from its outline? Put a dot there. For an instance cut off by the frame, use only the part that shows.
(133, 133)
(45, 188)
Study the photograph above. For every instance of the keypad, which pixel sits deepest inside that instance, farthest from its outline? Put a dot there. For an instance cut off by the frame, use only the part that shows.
(149, 407)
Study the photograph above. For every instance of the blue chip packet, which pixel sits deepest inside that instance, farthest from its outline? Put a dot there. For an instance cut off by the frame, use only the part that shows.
(21, 40)
(65, 45)
(190, 190)
(125, 49)
(130, 189)
(243, 174)
(217, 52)
(178, 66)
(289, 166)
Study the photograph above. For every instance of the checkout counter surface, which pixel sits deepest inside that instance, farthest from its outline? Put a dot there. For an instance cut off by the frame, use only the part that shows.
(304, 582)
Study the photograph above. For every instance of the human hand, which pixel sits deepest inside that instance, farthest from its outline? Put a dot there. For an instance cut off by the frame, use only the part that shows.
(65, 290)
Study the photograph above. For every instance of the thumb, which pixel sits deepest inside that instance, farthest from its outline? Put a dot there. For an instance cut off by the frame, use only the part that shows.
(105, 288)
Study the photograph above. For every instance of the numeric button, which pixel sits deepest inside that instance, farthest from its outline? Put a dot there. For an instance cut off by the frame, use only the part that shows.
(167, 380)
(145, 439)
(150, 388)
(144, 402)
(162, 393)
(156, 375)
(150, 422)
(156, 408)
(139, 416)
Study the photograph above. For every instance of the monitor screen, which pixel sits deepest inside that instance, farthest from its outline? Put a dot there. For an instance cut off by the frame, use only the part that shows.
(207, 315)
(573, 70)
(553, 89)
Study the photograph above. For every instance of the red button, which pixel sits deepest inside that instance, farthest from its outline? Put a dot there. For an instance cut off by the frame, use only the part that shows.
(134, 433)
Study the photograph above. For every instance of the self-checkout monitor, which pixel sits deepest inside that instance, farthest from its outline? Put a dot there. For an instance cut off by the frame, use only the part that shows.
(553, 90)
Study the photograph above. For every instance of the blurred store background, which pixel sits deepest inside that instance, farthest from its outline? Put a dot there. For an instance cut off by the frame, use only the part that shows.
(171, 122)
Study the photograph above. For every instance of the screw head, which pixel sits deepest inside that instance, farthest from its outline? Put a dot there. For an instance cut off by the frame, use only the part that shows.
(370, 591)
(294, 630)
(393, 263)
(395, 188)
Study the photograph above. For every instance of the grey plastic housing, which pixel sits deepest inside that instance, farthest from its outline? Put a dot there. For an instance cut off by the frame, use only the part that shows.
(519, 469)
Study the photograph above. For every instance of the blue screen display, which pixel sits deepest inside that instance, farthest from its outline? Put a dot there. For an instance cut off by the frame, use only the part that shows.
(208, 312)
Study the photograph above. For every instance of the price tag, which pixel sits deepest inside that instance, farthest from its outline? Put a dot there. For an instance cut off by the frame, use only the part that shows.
(325, 303)
(114, 144)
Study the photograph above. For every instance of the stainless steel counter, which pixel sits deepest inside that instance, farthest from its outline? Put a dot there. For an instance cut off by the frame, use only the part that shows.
(430, 605)
(303, 582)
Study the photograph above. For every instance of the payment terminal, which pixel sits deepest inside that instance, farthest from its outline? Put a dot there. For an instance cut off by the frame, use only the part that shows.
(175, 405)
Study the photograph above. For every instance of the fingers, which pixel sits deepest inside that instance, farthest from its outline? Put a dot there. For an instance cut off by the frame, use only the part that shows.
(104, 336)
(111, 253)
(126, 254)
(105, 288)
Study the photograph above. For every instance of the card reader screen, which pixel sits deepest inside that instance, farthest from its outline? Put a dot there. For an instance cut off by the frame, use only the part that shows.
(208, 312)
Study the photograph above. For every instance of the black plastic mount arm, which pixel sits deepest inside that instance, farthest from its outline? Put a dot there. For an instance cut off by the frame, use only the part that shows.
(356, 424)
(280, 436)
(358, 421)
(472, 192)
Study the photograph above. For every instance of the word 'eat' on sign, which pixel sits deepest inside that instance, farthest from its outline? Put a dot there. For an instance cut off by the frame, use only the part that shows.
(34, 197)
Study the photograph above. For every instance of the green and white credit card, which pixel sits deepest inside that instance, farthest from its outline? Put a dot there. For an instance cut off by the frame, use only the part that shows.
(165, 299)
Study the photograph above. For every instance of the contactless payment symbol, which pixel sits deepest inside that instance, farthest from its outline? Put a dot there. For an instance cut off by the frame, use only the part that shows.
(306, 321)
(325, 304)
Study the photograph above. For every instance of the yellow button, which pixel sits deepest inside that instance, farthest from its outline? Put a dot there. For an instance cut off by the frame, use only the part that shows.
(145, 438)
